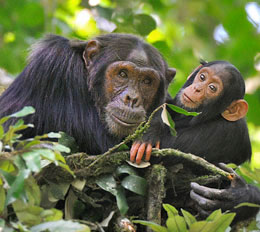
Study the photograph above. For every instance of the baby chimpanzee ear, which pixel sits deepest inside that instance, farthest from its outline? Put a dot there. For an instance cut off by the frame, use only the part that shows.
(237, 110)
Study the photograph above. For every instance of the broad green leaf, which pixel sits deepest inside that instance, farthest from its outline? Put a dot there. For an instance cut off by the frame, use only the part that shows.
(8, 177)
(24, 112)
(247, 204)
(123, 147)
(125, 169)
(32, 191)
(2, 200)
(176, 224)
(53, 135)
(31, 143)
(221, 223)
(51, 215)
(214, 215)
(155, 227)
(189, 218)
(121, 201)
(33, 160)
(60, 226)
(108, 183)
(135, 184)
(2, 224)
(182, 111)
(58, 191)
(171, 211)
(28, 214)
(46, 153)
(143, 19)
(4, 119)
(199, 227)
(61, 148)
(167, 119)
(7, 166)
(17, 188)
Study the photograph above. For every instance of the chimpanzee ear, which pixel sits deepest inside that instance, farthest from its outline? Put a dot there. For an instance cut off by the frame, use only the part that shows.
(170, 74)
(91, 49)
(237, 110)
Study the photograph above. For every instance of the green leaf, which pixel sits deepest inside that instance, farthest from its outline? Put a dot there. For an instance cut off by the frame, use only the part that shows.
(155, 227)
(33, 160)
(125, 169)
(28, 214)
(33, 192)
(176, 224)
(171, 210)
(52, 215)
(108, 183)
(167, 119)
(143, 19)
(182, 111)
(60, 226)
(121, 201)
(46, 153)
(24, 112)
(53, 135)
(1, 132)
(2, 200)
(214, 215)
(4, 119)
(199, 227)
(61, 148)
(16, 190)
(189, 218)
(135, 184)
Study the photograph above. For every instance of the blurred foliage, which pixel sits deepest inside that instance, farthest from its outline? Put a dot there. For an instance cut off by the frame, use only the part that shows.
(20, 195)
(184, 31)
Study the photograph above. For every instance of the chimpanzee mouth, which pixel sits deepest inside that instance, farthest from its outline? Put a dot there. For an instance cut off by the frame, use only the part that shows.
(187, 98)
(125, 122)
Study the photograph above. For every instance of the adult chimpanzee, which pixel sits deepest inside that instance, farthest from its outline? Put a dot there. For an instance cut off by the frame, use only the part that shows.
(97, 91)
(218, 134)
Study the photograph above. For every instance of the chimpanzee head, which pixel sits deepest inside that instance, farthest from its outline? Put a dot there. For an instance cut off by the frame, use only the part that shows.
(127, 78)
(214, 88)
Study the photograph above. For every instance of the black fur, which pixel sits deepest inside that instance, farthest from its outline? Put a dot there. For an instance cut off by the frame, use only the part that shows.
(68, 97)
(209, 135)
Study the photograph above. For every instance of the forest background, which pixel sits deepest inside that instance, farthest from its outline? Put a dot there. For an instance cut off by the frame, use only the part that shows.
(184, 32)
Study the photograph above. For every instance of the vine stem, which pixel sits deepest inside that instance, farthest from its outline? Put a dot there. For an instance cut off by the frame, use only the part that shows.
(141, 129)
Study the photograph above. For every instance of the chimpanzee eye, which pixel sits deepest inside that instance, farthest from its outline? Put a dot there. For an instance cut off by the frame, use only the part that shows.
(147, 81)
(213, 88)
(122, 74)
(202, 77)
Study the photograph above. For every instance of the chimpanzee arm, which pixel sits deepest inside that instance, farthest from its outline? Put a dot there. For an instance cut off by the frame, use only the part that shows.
(209, 199)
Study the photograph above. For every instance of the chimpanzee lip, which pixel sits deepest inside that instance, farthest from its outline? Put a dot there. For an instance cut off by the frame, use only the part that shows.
(124, 122)
(187, 97)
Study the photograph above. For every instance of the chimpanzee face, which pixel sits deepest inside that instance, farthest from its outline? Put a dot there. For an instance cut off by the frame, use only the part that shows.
(207, 85)
(130, 91)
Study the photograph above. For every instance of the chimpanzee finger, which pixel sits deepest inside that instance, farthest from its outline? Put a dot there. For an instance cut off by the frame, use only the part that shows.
(134, 150)
(211, 193)
(203, 213)
(148, 152)
(226, 168)
(237, 181)
(157, 145)
(205, 203)
(140, 153)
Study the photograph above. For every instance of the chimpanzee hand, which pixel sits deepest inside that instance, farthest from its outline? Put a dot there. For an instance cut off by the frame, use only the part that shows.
(209, 199)
(139, 148)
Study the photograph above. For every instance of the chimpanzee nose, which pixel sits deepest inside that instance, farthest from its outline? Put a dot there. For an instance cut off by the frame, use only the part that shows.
(132, 100)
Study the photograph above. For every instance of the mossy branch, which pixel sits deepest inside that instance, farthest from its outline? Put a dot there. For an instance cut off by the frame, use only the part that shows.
(102, 164)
